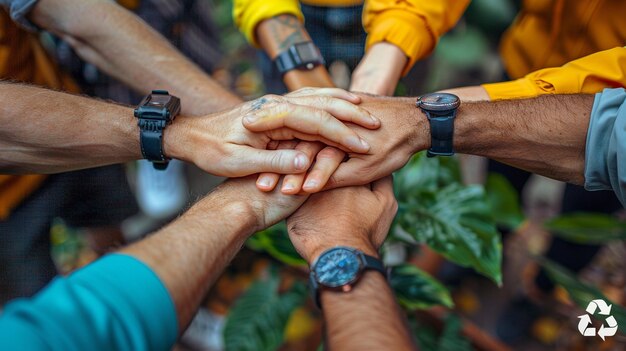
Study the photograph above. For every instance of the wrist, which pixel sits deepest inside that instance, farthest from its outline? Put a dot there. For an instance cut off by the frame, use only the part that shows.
(343, 239)
(174, 138)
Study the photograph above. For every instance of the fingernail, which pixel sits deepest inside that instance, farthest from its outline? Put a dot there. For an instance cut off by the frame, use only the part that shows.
(288, 186)
(251, 118)
(365, 144)
(264, 182)
(301, 162)
(311, 184)
(354, 96)
(375, 120)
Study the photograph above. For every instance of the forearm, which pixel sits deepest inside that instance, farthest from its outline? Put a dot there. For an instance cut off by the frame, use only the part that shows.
(46, 131)
(367, 317)
(276, 35)
(189, 254)
(125, 47)
(544, 135)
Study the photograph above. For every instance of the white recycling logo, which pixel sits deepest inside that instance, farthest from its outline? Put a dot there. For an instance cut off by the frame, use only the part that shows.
(584, 325)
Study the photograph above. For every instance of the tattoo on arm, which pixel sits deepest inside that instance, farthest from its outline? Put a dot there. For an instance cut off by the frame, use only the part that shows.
(286, 30)
(257, 104)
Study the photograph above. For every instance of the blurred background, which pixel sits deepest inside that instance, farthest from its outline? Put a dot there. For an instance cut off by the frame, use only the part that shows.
(463, 310)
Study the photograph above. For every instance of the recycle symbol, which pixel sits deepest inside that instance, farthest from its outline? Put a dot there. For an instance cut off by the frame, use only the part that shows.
(584, 325)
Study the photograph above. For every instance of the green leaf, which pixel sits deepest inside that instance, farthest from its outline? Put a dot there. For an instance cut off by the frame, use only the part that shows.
(504, 201)
(416, 289)
(451, 338)
(587, 228)
(456, 222)
(580, 292)
(423, 174)
(258, 319)
(275, 241)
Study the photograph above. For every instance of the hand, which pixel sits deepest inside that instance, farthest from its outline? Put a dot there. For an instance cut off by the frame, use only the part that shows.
(357, 217)
(327, 159)
(239, 198)
(379, 70)
(224, 144)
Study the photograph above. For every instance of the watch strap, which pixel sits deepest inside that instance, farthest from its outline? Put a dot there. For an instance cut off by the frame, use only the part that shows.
(151, 141)
(441, 133)
(290, 59)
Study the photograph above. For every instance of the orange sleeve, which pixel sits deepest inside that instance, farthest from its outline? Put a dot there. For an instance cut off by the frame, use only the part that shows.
(413, 25)
(590, 74)
(247, 14)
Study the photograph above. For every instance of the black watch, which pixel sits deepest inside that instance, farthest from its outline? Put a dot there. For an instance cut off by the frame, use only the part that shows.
(303, 55)
(440, 109)
(339, 268)
(155, 112)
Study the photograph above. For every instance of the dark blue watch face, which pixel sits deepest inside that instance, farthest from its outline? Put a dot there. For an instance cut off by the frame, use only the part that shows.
(337, 267)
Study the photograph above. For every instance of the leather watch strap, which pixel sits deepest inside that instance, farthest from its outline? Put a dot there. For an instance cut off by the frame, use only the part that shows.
(441, 131)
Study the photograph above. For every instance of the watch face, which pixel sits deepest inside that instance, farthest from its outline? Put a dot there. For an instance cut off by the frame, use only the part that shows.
(438, 102)
(338, 266)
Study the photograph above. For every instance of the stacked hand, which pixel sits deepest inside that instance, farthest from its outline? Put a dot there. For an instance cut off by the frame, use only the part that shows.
(227, 144)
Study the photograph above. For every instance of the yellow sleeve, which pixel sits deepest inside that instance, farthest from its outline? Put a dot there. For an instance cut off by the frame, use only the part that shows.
(590, 74)
(247, 14)
(413, 25)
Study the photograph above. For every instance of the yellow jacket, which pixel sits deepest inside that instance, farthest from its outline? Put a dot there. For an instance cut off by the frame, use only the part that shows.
(413, 25)
(550, 33)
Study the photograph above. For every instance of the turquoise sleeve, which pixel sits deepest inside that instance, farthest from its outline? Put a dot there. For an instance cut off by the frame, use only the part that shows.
(115, 303)
(605, 152)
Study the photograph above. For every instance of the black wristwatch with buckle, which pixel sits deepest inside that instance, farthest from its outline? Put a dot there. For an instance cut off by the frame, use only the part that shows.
(155, 112)
(440, 109)
(303, 56)
(340, 268)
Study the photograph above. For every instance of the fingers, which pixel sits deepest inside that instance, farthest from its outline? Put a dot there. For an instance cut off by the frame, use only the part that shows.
(342, 110)
(330, 92)
(307, 120)
(292, 183)
(267, 181)
(348, 174)
(327, 161)
(250, 160)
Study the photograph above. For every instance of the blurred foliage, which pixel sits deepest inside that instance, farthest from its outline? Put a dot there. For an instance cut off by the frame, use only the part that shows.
(587, 228)
(449, 340)
(275, 241)
(504, 202)
(581, 293)
(258, 319)
(416, 289)
(453, 219)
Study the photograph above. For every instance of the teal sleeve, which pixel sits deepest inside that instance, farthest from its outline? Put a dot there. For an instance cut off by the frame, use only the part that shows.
(605, 153)
(115, 303)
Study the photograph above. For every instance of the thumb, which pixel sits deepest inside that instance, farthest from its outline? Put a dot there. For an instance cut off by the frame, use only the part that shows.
(253, 160)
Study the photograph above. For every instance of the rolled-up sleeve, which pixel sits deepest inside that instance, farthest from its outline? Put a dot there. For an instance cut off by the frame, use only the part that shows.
(247, 14)
(589, 74)
(412, 25)
(19, 9)
(116, 303)
(605, 153)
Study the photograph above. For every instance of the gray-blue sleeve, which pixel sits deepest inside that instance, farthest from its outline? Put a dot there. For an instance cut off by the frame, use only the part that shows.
(19, 9)
(605, 154)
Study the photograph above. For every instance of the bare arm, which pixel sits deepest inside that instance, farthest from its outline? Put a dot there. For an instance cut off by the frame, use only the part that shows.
(45, 131)
(276, 35)
(544, 135)
(191, 253)
(122, 45)
(367, 317)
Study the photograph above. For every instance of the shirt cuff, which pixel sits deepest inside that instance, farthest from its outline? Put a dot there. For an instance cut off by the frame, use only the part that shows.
(515, 89)
(402, 29)
(249, 15)
(605, 167)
